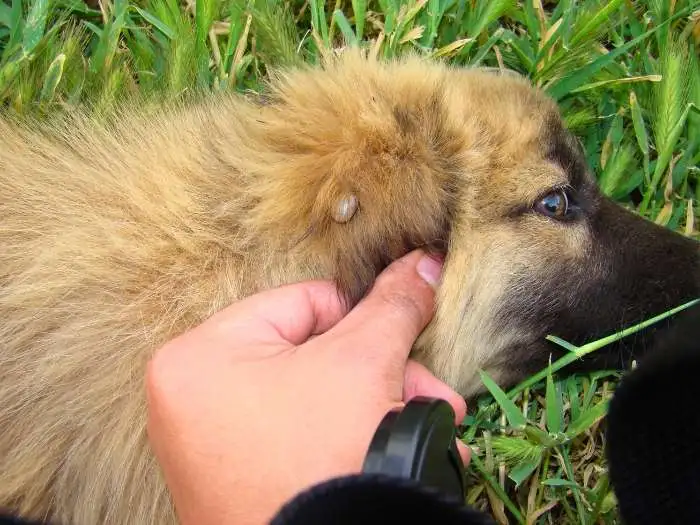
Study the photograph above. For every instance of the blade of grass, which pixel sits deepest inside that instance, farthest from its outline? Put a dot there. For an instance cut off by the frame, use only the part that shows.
(617, 82)
(479, 466)
(553, 407)
(575, 488)
(485, 49)
(522, 471)
(345, 28)
(562, 88)
(586, 420)
(5, 15)
(318, 23)
(573, 393)
(595, 345)
(35, 24)
(16, 28)
(640, 132)
(204, 13)
(359, 9)
(564, 344)
(594, 22)
(515, 417)
(53, 77)
(155, 21)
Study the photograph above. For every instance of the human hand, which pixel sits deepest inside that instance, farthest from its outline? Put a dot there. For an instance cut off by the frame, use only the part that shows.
(285, 389)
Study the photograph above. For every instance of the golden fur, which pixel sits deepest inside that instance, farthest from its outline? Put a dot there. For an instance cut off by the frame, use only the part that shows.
(116, 237)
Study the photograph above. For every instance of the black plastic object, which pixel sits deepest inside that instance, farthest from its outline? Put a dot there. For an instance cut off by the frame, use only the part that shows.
(418, 443)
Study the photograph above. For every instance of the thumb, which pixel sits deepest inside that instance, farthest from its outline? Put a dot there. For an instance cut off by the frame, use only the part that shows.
(394, 313)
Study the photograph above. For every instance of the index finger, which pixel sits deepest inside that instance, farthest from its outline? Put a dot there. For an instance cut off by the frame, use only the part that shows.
(289, 314)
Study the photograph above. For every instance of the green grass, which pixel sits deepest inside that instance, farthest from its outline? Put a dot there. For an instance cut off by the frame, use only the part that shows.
(625, 73)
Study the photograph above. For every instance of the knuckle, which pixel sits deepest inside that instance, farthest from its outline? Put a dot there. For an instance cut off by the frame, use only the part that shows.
(405, 305)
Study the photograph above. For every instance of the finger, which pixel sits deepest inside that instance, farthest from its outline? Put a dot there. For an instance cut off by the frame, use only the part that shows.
(396, 310)
(288, 314)
(418, 381)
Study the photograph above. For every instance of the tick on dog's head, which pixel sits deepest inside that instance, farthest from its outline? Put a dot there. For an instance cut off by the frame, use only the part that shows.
(365, 160)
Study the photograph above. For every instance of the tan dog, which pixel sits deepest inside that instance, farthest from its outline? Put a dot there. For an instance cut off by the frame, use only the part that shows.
(113, 239)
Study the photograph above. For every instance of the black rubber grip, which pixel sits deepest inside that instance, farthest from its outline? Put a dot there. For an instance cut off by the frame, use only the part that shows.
(418, 442)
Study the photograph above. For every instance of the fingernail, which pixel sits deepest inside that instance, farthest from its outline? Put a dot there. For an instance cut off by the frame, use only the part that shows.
(430, 269)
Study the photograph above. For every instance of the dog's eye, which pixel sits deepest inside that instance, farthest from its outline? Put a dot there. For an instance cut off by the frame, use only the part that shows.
(555, 204)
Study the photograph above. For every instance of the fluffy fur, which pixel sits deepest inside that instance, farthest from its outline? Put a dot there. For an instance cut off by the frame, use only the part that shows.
(117, 236)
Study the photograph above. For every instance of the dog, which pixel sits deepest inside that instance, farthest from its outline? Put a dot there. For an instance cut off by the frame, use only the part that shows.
(119, 234)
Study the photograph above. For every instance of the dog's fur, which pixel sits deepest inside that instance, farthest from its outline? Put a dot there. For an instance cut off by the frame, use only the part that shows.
(114, 238)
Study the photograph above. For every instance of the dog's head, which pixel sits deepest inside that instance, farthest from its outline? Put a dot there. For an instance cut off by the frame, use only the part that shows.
(374, 159)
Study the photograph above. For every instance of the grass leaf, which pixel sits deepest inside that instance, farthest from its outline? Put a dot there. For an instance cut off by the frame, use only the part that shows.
(562, 88)
(559, 482)
(596, 345)
(345, 28)
(592, 24)
(553, 408)
(564, 344)
(35, 24)
(515, 417)
(640, 131)
(53, 77)
(522, 471)
(586, 420)
(359, 8)
(5, 15)
(476, 462)
(158, 24)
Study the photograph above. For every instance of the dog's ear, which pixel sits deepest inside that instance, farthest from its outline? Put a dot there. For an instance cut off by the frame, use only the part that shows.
(357, 175)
